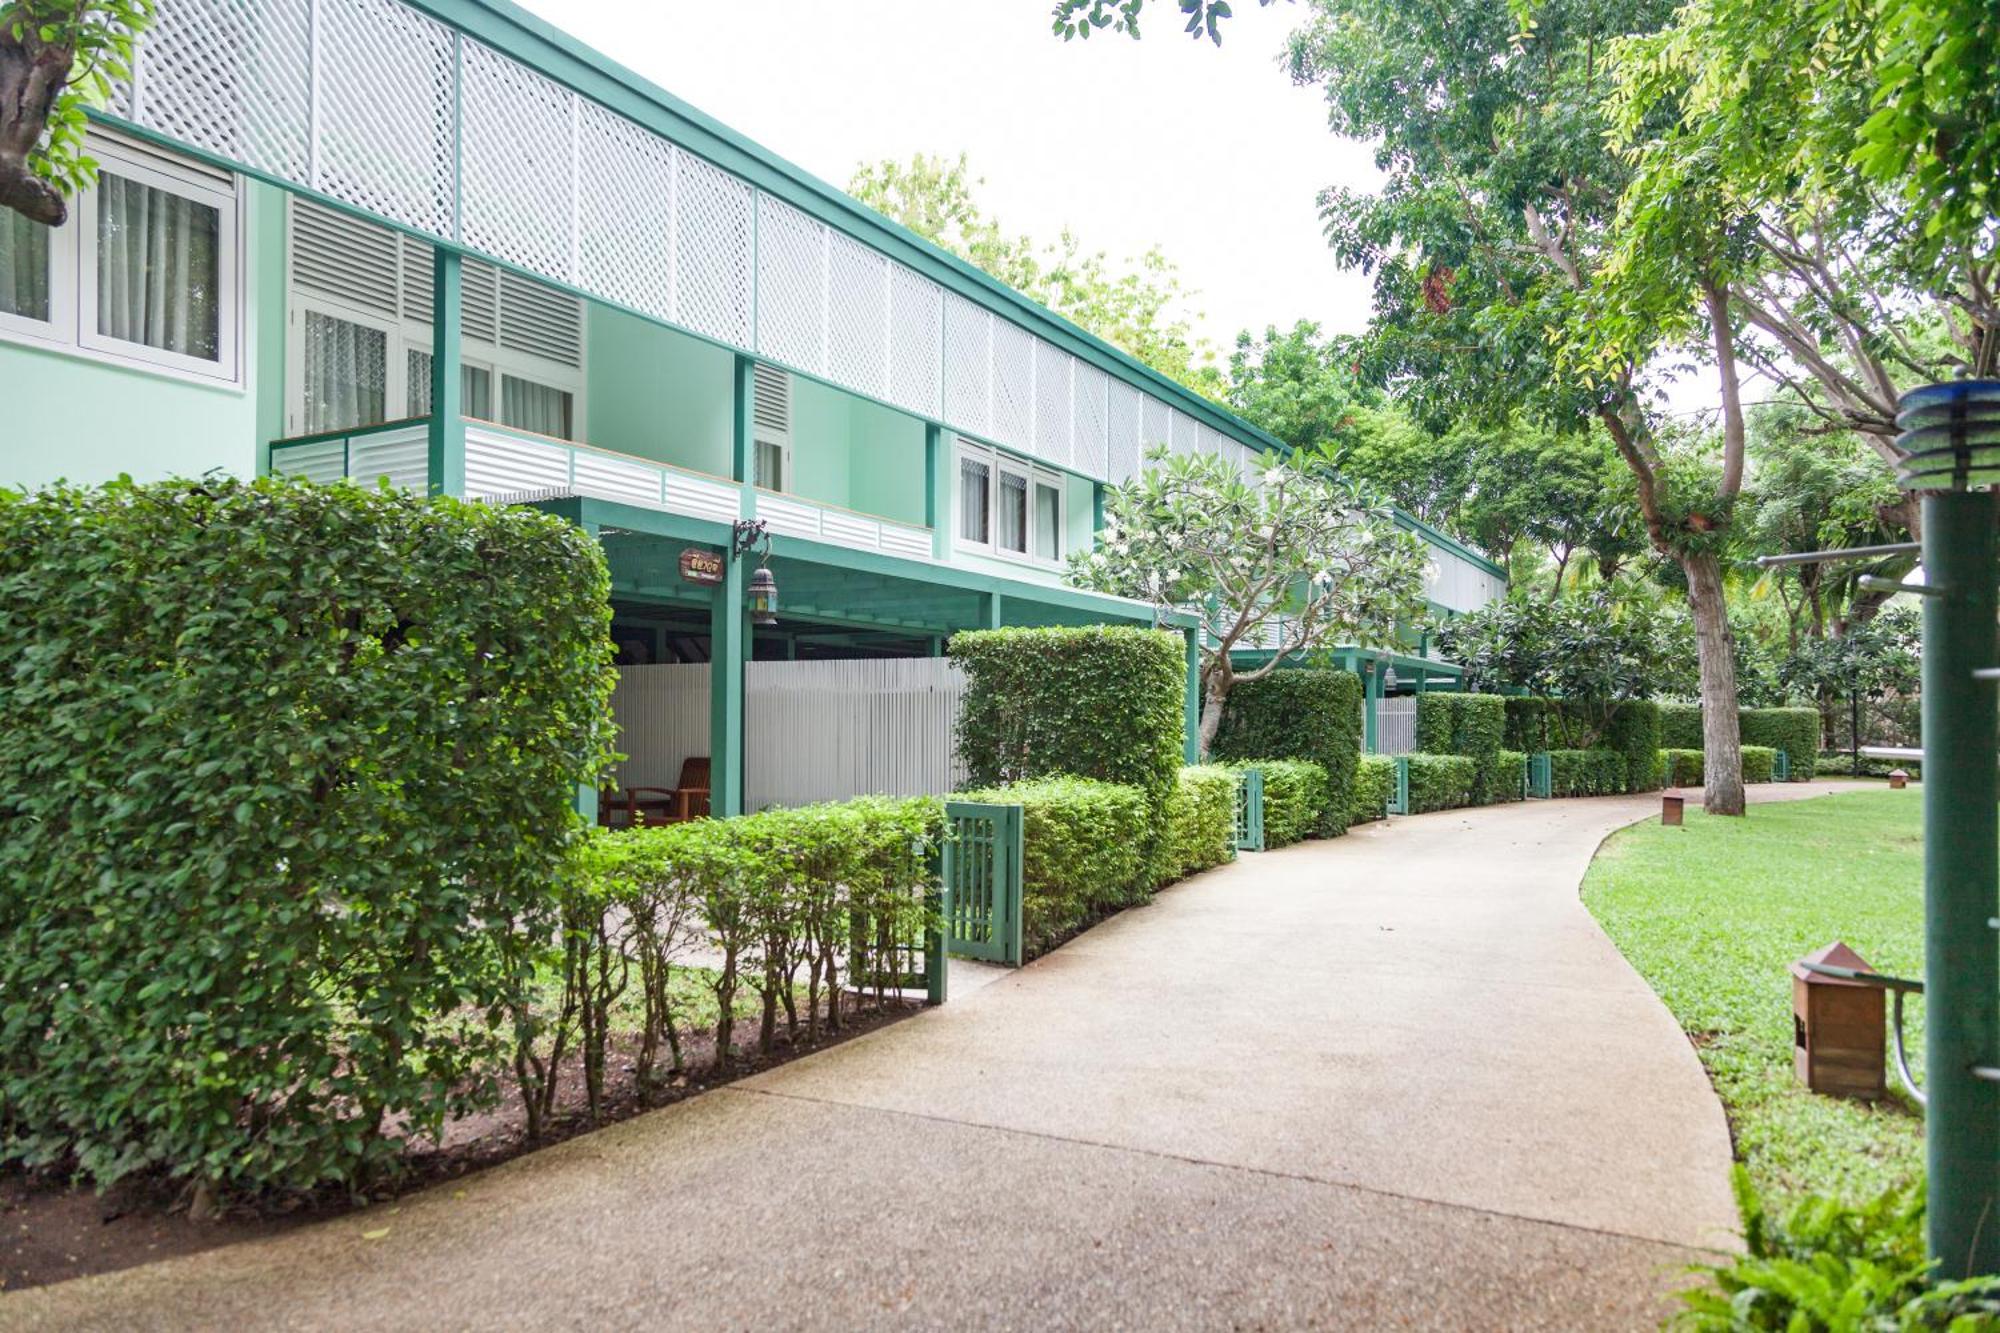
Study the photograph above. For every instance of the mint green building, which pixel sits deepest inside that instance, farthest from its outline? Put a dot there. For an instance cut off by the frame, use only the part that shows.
(442, 243)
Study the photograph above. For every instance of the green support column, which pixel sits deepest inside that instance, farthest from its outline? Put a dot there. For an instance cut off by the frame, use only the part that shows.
(1961, 946)
(937, 489)
(1371, 695)
(447, 424)
(1096, 511)
(727, 651)
(742, 463)
(995, 611)
(1191, 706)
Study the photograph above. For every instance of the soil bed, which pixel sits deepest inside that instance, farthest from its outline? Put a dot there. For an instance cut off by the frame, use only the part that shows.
(51, 1230)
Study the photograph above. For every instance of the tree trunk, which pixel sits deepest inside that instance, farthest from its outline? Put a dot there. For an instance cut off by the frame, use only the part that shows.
(1214, 699)
(1721, 747)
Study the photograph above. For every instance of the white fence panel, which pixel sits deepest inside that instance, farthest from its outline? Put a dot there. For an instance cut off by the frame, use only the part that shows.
(662, 716)
(1396, 724)
(824, 731)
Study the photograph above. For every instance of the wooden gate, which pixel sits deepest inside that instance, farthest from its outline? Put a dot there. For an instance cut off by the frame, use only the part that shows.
(982, 881)
(1541, 775)
(1250, 810)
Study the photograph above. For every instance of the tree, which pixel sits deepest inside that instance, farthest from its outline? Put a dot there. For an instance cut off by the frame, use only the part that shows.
(56, 58)
(1137, 305)
(1296, 385)
(1079, 18)
(1286, 561)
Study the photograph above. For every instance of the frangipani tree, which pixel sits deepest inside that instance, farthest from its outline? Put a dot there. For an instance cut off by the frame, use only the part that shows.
(1292, 560)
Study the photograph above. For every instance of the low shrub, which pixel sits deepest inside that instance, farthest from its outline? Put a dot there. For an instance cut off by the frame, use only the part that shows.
(1295, 799)
(1760, 762)
(1440, 781)
(1084, 852)
(1374, 784)
(1299, 713)
(1201, 821)
(1680, 768)
(1586, 772)
(1835, 764)
(1471, 725)
(1793, 730)
(1511, 777)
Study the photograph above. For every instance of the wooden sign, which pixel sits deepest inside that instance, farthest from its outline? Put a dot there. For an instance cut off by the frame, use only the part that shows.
(699, 566)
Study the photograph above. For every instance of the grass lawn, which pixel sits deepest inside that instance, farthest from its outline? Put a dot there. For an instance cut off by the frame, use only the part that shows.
(1711, 913)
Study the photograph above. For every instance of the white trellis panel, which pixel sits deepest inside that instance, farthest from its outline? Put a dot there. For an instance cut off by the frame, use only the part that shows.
(1013, 385)
(386, 131)
(1185, 431)
(1088, 411)
(712, 250)
(1156, 427)
(233, 79)
(517, 159)
(791, 286)
(1053, 420)
(916, 326)
(968, 366)
(624, 212)
(857, 316)
(1123, 409)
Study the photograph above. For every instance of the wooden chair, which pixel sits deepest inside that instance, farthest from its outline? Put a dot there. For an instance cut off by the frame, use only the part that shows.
(659, 805)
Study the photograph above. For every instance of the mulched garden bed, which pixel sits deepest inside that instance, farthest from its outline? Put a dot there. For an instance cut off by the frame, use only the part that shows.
(54, 1230)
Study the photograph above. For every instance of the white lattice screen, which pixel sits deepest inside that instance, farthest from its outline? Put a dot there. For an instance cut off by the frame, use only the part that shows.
(378, 106)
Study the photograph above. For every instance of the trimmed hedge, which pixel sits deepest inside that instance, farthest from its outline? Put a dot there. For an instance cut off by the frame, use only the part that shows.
(1084, 851)
(1374, 784)
(1298, 713)
(1296, 794)
(1687, 768)
(1472, 725)
(288, 775)
(1597, 772)
(1793, 730)
(1635, 733)
(1201, 821)
(1512, 783)
(1527, 725)
(1440, 781)
(1759, 763)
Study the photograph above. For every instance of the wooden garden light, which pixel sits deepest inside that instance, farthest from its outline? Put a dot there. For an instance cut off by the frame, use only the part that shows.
(1837, 1026)
(1898, 779)
(1670, 808)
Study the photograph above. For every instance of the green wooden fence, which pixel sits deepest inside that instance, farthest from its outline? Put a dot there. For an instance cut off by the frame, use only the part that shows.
(1250, 811)
(982, 881)
(1541, 776)
(1399, 793)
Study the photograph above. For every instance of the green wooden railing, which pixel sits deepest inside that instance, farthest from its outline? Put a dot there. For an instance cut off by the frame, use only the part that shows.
(1399, 790)
(1781, 767)
(1541, 776)
(1250, 811)
(982, 881)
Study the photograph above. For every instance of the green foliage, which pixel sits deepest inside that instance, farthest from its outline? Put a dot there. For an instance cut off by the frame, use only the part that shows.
(1680, 726)
(1679, 767)
(57, 58)
(1079, 18)
(288, 777)
(1527, 728)
(1201, 821)
(1440, 781)
(1634, 732)
(1793, 730)
(1299, 714)
(1589, 772)
(1759, 763)
(1511, 780)
(1137, 304)
(1083, 852)
(1713, 913)
(1594, 652)
(1472, 725)
(1374, 783)
(1296, 794)
(1829, 1264)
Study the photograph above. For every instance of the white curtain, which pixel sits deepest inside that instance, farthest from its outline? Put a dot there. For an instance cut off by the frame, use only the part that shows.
(1048, 514)
(24, 267)
(525, 405)
(475, 388)
(346, 374)
(158, 269)
(972, 500)
(1013, 513)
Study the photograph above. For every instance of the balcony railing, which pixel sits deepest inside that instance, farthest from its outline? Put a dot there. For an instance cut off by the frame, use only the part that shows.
(508, 466)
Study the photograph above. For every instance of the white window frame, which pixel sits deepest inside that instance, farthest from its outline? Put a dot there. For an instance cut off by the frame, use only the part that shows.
(70, 328)
(425, 346)
(998, 461)
(783, 444)
(187, 184)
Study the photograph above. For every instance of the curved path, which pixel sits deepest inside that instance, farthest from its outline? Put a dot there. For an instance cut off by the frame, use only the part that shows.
(1400, 1077)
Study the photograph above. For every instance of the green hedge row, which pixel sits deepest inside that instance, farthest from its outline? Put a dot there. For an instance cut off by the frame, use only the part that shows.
(1084, 852)
(1296, 794)
(287, 774)
(1472, 725)
(1374, 784)
(1796, 731)
(1685, 768)
(1201, 821)
(1634, 731)
(1440, 781)
(1299, 714)
(1598, 772)
(1512, 784)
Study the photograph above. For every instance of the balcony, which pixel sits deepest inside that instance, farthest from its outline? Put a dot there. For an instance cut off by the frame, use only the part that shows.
(506, 466)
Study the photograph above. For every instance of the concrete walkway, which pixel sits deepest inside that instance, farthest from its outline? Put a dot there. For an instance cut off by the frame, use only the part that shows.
(1396, 1079)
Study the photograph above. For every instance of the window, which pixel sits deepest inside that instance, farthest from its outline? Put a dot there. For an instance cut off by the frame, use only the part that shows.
(346, 373)
(771, 465)
(1008, 507)
(771, 426)
(521, 351)
(146, 273)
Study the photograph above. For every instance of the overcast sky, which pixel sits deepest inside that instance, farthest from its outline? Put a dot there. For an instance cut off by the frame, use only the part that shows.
(1209, 152)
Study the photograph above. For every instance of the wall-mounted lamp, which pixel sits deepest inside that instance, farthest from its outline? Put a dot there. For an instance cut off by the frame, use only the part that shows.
(748, 535)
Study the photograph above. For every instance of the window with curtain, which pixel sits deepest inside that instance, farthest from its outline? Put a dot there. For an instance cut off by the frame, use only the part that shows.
(159, 268)
(771, 465)
(475, 388)
(1048, 520)
(526, 405)
(1011, 528)
(974, 482)
(346, 374)
(24, 268)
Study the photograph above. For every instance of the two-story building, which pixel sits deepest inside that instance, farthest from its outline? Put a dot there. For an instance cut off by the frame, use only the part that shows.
(442, 243)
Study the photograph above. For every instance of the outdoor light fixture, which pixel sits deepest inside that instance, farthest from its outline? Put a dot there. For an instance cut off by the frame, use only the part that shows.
(1389, 680)
(749, 534)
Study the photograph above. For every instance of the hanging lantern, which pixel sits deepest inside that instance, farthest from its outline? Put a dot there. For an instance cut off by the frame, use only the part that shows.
(763, 597)
(1389, 681)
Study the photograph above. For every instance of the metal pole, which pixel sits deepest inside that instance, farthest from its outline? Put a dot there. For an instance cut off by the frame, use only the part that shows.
(1961, 883)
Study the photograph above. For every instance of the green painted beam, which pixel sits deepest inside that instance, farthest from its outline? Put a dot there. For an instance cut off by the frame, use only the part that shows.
(1371, 696)
(445, 437)
(727, 651)
(937, 489)
(1191, 705)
